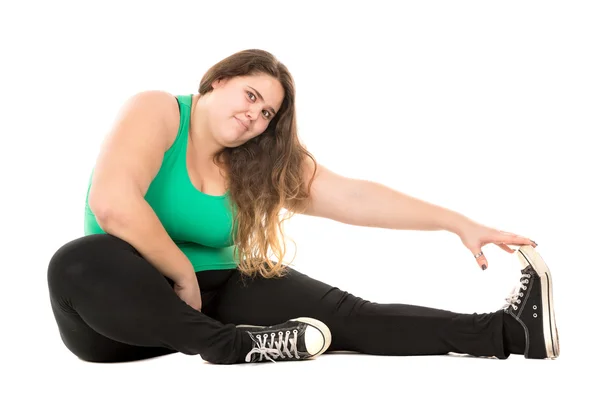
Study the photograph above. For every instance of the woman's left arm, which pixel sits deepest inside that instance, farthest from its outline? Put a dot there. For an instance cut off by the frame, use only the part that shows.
(376, 205)
(366, 203)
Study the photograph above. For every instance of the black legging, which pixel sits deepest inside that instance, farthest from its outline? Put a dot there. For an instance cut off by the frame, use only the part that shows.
(112, 305)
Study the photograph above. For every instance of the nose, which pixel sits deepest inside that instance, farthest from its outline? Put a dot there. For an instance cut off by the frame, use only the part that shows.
(252, 113)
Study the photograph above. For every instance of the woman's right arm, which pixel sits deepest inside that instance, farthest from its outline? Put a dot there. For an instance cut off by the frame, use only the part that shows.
(129, 160)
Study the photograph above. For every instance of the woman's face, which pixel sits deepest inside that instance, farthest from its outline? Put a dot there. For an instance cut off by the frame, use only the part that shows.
(243, 106)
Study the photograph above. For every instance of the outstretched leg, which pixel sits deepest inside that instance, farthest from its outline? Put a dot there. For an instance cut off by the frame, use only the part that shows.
(356, 324)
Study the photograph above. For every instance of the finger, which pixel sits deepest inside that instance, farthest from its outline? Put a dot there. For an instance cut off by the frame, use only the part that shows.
(481, 260)
(511, 238)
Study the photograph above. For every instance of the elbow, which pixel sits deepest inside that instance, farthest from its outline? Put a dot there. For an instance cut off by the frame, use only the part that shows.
(104, 211)
(110, 219)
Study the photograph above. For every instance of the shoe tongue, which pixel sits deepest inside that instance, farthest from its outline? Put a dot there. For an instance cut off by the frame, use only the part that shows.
(527, 269)
(515, 289)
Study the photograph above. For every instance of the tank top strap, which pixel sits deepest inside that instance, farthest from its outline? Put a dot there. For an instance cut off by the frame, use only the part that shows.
(180, 144)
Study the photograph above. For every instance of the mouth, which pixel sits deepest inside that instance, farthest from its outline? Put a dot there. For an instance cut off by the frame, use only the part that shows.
(241, 123)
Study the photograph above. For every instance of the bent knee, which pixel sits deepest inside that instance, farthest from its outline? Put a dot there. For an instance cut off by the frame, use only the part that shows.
(77, 257)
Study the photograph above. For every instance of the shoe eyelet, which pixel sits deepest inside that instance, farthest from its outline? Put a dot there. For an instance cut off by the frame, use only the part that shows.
(535, 307)
(258, 336)
(514, 307)
(273, 334)
(266, 335)
(534, 315)
(280, 333)
(519, 301)
(521, 294)
(295, 330)
(526, 280)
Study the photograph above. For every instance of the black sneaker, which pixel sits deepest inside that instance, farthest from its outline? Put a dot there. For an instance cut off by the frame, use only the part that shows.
(532, 305)
(296, 339)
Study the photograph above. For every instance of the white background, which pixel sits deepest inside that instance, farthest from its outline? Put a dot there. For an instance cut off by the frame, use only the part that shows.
(486, 108)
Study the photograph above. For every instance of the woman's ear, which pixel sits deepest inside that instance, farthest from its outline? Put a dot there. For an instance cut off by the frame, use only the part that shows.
(219, 82)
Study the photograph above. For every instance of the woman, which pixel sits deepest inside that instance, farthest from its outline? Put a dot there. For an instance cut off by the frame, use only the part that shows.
(181, 211)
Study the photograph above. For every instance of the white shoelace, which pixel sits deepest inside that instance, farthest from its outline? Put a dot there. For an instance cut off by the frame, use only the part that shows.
(276, 348)
(514, 297)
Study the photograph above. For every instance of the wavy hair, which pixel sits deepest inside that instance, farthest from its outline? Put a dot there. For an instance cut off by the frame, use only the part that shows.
(264, 174)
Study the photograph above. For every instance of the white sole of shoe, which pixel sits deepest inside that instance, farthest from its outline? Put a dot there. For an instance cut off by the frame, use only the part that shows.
(529, 256)
(310, 321)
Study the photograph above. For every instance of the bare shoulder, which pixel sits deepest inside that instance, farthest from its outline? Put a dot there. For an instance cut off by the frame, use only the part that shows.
(164, 104)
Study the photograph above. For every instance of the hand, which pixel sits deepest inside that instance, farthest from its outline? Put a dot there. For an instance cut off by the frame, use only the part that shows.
(189, 291)
(474, 236)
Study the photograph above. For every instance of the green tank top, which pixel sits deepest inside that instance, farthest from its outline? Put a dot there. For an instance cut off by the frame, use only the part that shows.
(197, 222)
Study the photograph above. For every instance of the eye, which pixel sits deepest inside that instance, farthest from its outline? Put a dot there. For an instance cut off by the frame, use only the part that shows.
(253, 98)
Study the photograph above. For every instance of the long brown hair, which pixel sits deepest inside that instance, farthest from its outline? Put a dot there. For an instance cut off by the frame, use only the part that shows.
(264, 174)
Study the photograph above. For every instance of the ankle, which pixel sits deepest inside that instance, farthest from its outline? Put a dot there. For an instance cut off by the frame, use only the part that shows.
(513, 335)
(246, 346)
